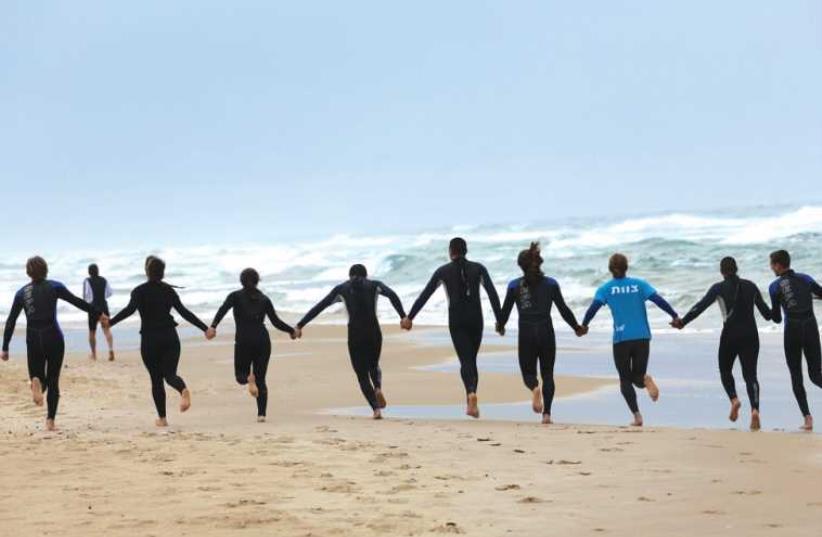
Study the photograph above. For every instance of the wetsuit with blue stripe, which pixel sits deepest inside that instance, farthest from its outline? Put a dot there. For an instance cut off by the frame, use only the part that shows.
(462, 280)
(359, 295)
(792, 295)
(44, 339)
(740, 337)
(537, 341)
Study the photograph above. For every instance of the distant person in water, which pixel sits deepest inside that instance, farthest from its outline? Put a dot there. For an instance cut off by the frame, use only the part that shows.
(462, 279)
(159, 342)
(626, 299)
(252, 344)
(740, 337)
(792, 296)
(534, 295)
(359, 295)
(44, 340)
(96, 292)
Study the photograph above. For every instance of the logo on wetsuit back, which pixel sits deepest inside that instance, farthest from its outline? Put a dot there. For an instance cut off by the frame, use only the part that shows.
(788, 295)
(625, 289)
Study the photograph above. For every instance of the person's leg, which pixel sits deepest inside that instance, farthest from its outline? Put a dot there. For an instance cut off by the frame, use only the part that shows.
(109, 342)
(793, 358)
(361, 364)
(640, 354)
(374, 372)
(528, 355)
(622, 361)
(813, 353)
(260, 363)
(547, 358)
(151, 361)
(463, 345)
(748, 359)
(169, 361)
(55, 349)
(728, 350)
(36, 361)
(243, 357)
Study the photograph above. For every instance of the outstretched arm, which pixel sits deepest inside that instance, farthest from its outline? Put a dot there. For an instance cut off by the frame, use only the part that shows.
(488, 284)
(227, 305)
(815, 287)
(592, 311)
(278, 323)
(763, 308)
(11, 321)
(564, 310)
(389, 293)
(663, 305)
(186, 313)
(507, 306)
(126, 312)
(776, 303)
(433, 283)
(333, 296)
(64, 294)
(709, 298)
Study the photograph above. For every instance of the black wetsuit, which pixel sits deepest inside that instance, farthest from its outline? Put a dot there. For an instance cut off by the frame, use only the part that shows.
(98, 287)
(792, 294)
(736, 298)
(159, 344)
(44, 339)
(537, 342)
(252, 344)
(462, 279)
(364, 335)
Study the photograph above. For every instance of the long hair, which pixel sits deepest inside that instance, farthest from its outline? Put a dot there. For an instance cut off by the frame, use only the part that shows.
(359, 299)
(37, 268)
(93, 270)
(530, 261)
(155, 269)
(458, 249)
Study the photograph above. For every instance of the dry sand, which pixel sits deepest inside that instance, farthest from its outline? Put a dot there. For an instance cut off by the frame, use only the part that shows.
(216, 471)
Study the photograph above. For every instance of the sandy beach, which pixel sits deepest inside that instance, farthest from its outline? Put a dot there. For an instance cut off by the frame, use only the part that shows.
(216, 471)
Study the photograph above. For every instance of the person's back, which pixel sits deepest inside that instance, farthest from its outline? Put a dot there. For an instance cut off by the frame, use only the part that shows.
(794, 293)
(737, 299)
(39, 300)
(360, 298)
(154, 301)
(534, 302)
(626, 298)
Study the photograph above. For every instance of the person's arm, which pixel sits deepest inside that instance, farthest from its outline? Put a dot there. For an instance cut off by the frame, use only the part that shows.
(564, 310)
(332, 297)
(763, 308)
(278, 323)
(592, 311)
(228, 303)
(706, 301)
(776, 302)
(493, 297)
(657, 299)
(11, 321)
(64, 294)
(88, 295)
(185, 312)
(816, 289)
(389, 293)
(508, 305)
(433, 283)
(126, 312)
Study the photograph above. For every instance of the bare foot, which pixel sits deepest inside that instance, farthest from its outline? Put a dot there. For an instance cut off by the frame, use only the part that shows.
(808, 425)
(755, 425)
(36, 391)
(50, 426)
(637, 420)
(260, 419)
(161, 422)
(546, 419)
(536, 401)
(735, 406)
(92, 356)
(110, 356)
(185, 402)
(377, 414)
(380, 398)
(653, 389)
(473, 406)
(252, 385)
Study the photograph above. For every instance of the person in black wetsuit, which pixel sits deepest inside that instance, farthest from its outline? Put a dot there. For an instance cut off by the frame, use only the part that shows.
(159, 342)
(736, 298)
(359, 294)
(96, 292)
(252, 344)
(44, 339)
(792, 294)
(462, 280)
(535, 294)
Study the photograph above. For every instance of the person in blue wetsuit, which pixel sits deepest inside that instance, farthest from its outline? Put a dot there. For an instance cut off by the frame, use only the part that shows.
(44, 339)
(359, 294)
(534, 295)
(462, 279)
(792, 296)
(626, 299)
(737, 299)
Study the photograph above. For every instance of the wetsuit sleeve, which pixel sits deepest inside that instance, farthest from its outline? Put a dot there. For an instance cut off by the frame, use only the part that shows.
(11, 321)
(278, 323)
(488, 284)
(88, 296)
(227, 305)
(433, 283)
(760, 304)
(508, 305)
(592, 311)
(64, 294)
(709, 298)
(389, 293)
(330, 298)
(126, 312)
(776, 303)
(563, 308)
(186, 313)
(657, 299)
(815, 287)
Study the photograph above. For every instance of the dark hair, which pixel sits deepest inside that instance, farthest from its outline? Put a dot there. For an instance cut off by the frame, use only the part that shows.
(530, 261)
(93, 270)
(781, 257)
(458, 246)
(249, 278)
(728, 266)
(360, 302)
(37, 268)
(155, 269)
(618, 265)
(358, 271)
